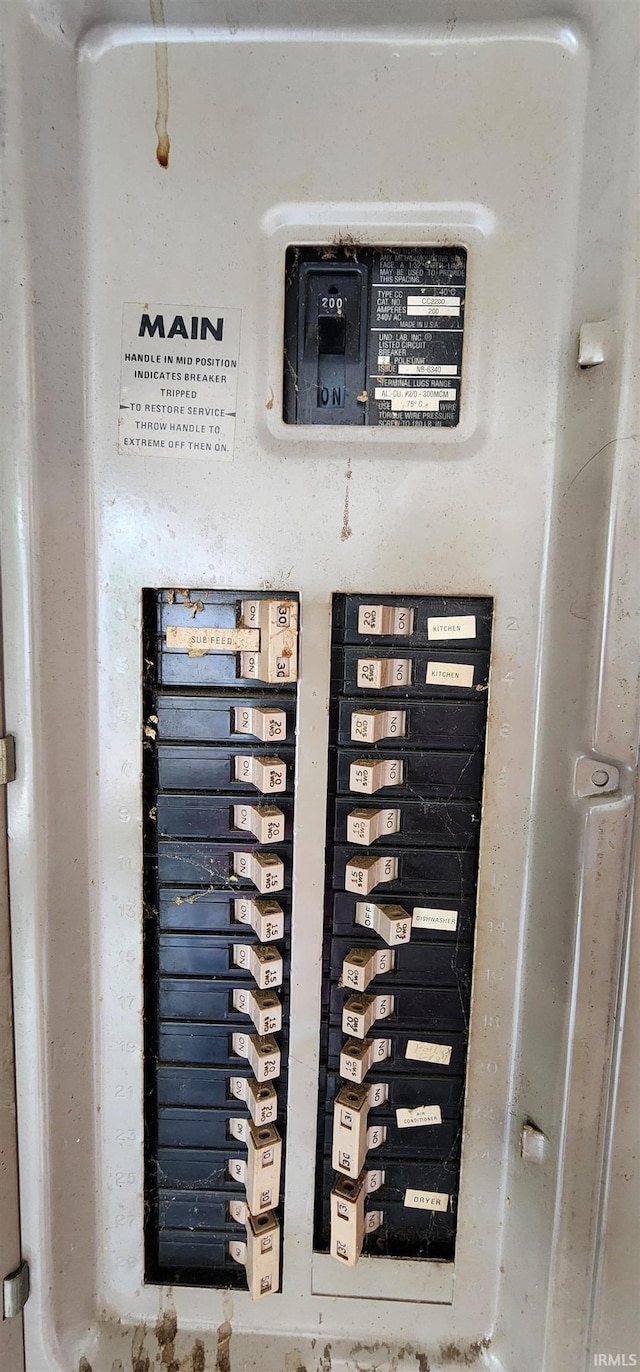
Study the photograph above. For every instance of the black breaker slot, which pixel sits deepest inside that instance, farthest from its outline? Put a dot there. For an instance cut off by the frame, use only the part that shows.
(409, 684)
(218, 776)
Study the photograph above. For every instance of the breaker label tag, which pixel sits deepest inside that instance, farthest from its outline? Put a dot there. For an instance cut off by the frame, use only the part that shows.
(420, 1051)
(426, 1200)
(212, 640)
(179, 381)
(422, 1114)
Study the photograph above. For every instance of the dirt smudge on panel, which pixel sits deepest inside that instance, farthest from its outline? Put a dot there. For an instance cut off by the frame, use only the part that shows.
(140, 1360)
(464, 1355)
(346, 530)
(198, 1361)
(393, 1357)
(165, 1331)
(293, 1361)
(84, 1365)
(223, 1347)
(156, 9)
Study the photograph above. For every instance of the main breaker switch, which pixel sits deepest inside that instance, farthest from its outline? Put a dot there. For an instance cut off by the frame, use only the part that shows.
(327, 332)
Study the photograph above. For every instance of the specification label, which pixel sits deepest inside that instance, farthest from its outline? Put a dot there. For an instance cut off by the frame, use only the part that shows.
(415, 337)
(179, 381)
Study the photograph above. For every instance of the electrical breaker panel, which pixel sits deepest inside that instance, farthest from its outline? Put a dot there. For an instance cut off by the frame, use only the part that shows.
(319, 573)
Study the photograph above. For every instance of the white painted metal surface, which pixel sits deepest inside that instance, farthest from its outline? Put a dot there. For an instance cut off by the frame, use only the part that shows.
(509, 128)
(11, 1332)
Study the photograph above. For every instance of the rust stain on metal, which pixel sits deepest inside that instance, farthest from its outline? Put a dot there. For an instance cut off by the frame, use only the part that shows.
(165, 1331)
(465, 1355)
(166, 1359)
(140, 1360)
(223, 1347)
(346, 530)
(394, 1356)
(197, 1358)
(293, 1361)
(163, 147)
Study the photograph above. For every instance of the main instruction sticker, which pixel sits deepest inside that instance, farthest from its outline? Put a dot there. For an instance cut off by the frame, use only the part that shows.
(179, 381)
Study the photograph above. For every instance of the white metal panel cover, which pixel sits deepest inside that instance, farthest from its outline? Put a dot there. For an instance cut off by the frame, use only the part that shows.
(175, 161)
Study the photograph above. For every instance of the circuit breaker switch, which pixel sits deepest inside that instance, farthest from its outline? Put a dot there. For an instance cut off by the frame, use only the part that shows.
(267, 774)
(277, 660)
(360, 1012)
(377, 673)
(370, 774)
(265, 821)
(265, 917)
(351, 1137)
(263, 1007)
(265, 870)
(349, 1222)
(263, 961)
(385, 619)
(365, 826)
(260, 1099)
(326, 342)
(362, 874)
(262, 1054)
(391, 922)
(260, 1254)
(260, 722)
(370, 726)
(362, 964)
(260, 1172)
(358, 1055)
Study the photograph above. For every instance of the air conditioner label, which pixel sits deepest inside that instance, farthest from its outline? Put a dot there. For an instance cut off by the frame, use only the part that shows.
(179, 381)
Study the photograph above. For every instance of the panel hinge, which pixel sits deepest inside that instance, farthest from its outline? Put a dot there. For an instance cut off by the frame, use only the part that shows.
(15, 1291)
(7, 759)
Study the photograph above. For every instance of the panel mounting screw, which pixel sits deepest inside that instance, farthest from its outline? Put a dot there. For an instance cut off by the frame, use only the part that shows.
(600, 777)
